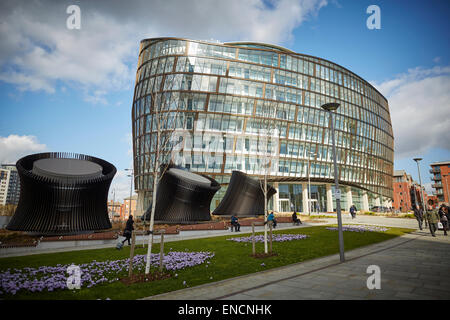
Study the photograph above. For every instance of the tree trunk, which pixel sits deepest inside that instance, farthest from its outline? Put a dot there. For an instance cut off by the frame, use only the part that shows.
(152, 218)
(271, 224)
(253, 239)
(161, 252)
(265, 213)
(130, 265)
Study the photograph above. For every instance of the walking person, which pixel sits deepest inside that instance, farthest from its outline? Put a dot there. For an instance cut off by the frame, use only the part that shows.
(425, 220)
(419, 216)
(128, 229)
(433, 219)
(443, 218)
(353, 211)
(447, 214)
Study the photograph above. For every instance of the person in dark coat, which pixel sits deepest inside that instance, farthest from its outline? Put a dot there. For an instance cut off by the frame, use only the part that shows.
(447, 214)
(235, 223)
(128, 229)
(353, 211)
(295, 219)
(443, 218)
(419, 216)
(433, 219)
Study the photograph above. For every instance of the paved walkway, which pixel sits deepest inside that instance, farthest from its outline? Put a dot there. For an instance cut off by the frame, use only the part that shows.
(414, 266)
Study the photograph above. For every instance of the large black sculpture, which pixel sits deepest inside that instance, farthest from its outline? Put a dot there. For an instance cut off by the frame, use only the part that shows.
(244, 197)
(183, 197)
(62, 193)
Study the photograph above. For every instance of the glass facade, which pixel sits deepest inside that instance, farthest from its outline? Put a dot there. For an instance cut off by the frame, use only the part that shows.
(237, 103)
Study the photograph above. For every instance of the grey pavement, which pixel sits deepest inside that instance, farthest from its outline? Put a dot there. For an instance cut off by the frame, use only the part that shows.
(414, 266)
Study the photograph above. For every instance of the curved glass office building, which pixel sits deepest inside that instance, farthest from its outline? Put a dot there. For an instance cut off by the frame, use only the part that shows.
(256, 108)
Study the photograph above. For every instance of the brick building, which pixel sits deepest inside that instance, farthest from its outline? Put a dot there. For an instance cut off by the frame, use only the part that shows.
(407, 192)
(441, 178)
(402, 191)
(127, 205)
(115, 210)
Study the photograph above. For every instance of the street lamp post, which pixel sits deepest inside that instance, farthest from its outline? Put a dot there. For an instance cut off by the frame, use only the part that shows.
(309, 153)
(114, 201)
(329, 107)
(131, 188)
(420, 181)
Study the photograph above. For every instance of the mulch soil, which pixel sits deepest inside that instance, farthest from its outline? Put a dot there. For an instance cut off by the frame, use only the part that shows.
(153, 276)
(263, 255)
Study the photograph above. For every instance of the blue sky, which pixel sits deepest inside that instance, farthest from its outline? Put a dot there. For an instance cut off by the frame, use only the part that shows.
(71, 90)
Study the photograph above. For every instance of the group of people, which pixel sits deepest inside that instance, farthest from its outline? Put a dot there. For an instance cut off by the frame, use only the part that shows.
(237, 226)
(433, 217)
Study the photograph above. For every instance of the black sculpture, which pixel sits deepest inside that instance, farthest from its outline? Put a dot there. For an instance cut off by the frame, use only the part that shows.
(244, 197)
(183, 197)
(62, 193)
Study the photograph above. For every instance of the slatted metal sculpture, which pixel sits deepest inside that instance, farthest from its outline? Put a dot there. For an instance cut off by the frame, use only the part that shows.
(244, 197)
(183, 197)
(62, 193)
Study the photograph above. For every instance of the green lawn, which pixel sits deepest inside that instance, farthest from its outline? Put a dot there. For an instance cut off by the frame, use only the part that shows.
(231, 259)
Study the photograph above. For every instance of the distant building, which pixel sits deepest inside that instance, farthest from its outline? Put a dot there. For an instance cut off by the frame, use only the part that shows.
(127, 205)
(402, 191)
(4, 182)
(13, 185)
(407, 192)
(114, 210)
(441, 177)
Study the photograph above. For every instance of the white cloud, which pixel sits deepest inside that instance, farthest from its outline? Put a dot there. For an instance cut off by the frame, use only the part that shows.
(429, 190)
(38, 50)
(13, 147)
(419, 102)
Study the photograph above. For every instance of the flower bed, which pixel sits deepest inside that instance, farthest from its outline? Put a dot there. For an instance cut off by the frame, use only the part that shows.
(92, 274)
(359, 228)
(275, 238)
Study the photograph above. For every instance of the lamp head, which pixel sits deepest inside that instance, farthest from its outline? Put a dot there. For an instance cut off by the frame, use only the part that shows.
(332, 106)
(417, 159)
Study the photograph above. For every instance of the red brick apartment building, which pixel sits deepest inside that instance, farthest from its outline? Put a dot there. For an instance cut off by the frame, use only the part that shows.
(402, 191)
(441, 178)
(115, 210)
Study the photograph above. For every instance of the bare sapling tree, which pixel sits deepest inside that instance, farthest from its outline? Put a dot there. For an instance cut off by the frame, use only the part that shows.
(169, 120)
(268, 134)
(165, 121)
